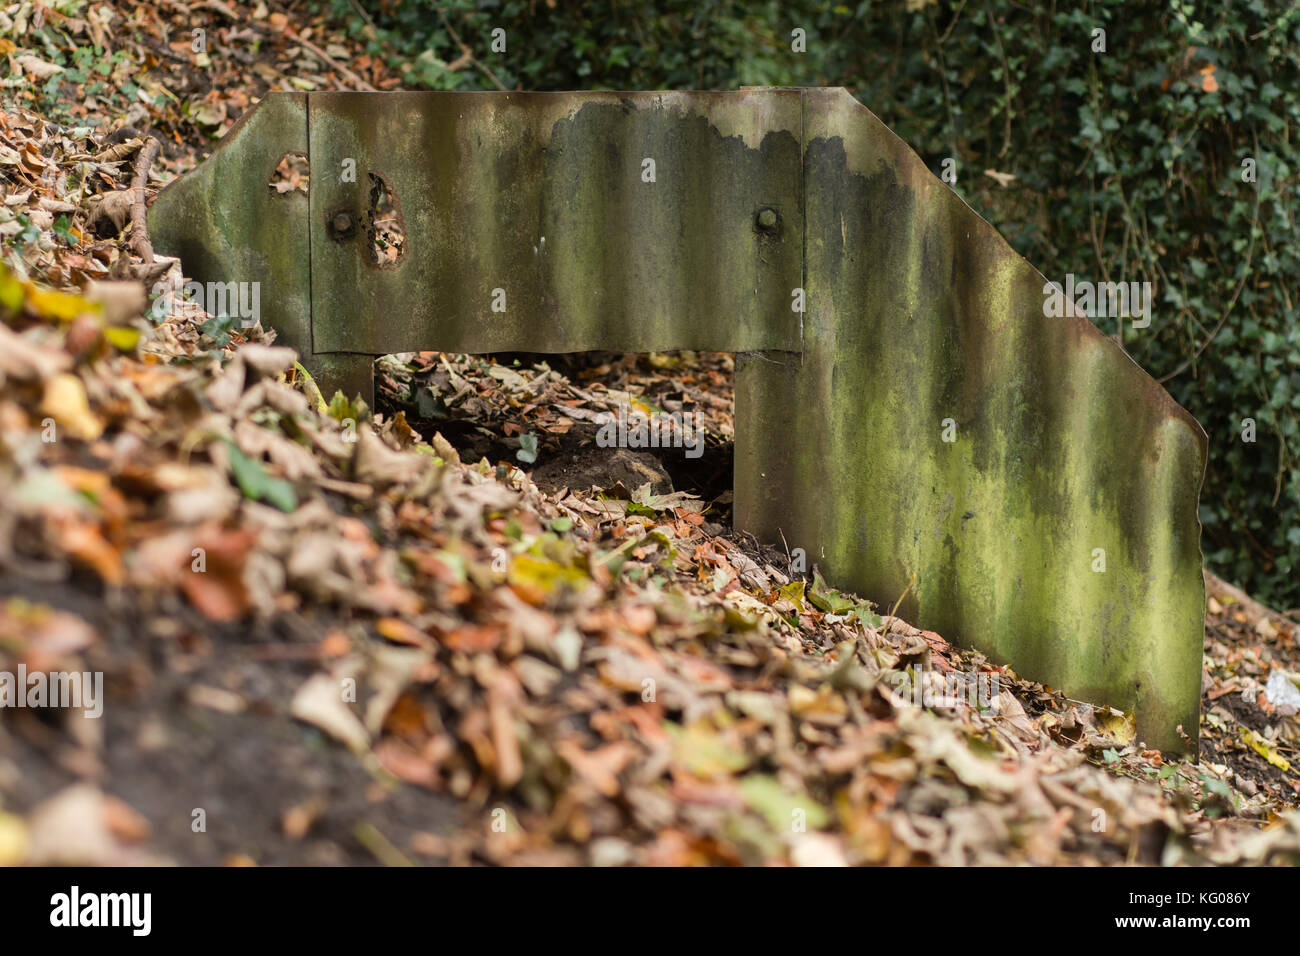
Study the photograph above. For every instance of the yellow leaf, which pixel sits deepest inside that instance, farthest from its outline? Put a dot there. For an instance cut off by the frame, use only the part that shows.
(1265, 750)
(544, 575)
(704, 751)
(312, 389)
(1117, 724)
(793, 592)
(821, 706)
(11, 290)
(122, 337)
(65, 402)
(13, 840)
(51, 304)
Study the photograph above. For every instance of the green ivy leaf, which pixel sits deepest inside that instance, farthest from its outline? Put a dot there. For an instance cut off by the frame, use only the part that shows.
(256, 485)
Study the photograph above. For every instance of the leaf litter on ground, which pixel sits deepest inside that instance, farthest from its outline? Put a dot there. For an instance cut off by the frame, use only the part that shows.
(599, 673)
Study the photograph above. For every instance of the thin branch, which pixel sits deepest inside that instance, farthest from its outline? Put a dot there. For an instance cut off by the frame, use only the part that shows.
(221, 8)
(364, 16)
(955, 17)
(324, 57)
(140, 243)
(1241, 284)
(1226, 593)
(466, 51)
(947, 98)
(1006, 80)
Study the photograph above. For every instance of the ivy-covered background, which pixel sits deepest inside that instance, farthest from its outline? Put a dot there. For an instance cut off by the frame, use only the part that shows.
(1169, 158)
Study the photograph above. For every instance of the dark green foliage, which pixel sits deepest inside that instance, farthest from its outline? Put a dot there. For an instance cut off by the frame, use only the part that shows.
(1128, 166)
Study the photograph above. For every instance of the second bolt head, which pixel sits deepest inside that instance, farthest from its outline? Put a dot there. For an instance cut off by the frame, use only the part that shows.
(767, 219)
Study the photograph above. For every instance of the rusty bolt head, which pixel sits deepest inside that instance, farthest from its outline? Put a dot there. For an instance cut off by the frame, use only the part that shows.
(342, 223)
(767, 219)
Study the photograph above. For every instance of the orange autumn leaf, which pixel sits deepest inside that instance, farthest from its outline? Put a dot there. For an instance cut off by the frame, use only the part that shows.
(334, 644)
(216, 585)
(399, 632)
(471, 639)
(85, 543)
(1208, 83)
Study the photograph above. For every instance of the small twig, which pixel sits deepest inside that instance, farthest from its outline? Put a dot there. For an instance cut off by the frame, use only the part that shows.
(1220, 589)
(219, 7)
(364, 16)
(894, 611)
(368, 835)
(118, 151)
(1006, 79)
(787, 549)
(467, 52)
(325, 58)
(947, 98)
(1245, 274)
(955, 17)
(140, 243)
(630, 542)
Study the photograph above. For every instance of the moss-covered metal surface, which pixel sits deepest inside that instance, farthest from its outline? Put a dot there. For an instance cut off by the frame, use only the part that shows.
(532, 221)
(917, 314)
(920, 312)
(227, 225)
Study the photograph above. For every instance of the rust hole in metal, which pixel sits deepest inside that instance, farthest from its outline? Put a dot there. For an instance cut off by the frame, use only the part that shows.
(385, 228)
(292, 174)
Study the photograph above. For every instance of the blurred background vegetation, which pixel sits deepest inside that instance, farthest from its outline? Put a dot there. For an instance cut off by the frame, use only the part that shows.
(1127, 165)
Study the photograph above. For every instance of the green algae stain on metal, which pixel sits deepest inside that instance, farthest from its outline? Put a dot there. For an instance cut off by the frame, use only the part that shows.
(228, 225)
(543, 203)
(920, 312)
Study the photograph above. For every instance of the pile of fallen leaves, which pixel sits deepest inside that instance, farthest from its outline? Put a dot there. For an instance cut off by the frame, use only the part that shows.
(624, 686)
(600, 673)
(1251, 706)
(183, 71)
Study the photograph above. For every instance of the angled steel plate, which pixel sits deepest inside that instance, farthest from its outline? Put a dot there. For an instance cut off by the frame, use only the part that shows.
(918, 313)
(227, 225)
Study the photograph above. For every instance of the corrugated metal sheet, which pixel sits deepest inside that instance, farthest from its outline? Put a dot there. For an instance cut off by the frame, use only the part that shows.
(544, 197)
(917, 312)
(921, 312)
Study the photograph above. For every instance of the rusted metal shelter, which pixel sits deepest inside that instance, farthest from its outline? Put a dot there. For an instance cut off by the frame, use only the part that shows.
(873, 312)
